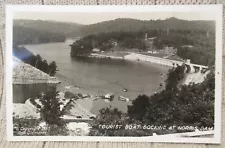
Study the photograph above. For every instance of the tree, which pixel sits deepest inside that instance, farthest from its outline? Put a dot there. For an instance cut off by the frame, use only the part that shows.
(38, 61)
(52, 68)
(107, 116)
(139, 107)
(197, 102)
(187, 105)
(34, 60)
(82, 47)
(45, 66)
(112, 122)
(50, 111)
(174, 76)
(116, 123)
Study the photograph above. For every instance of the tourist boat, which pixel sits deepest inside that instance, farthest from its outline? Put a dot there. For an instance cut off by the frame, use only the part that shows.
(109, 96)
(68, 87)
(121, 98)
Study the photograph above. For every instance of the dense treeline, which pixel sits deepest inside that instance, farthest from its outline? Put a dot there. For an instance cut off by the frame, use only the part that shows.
(198, 55)
(177, 38)
(23, 35)
(196, 45)
(35, 60)
(128, 25)
(105, 41)
(63, 28)
(118, 25)
(186, 105)
(189, 105)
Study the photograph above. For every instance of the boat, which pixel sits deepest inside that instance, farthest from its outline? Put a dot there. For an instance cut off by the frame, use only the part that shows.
(68, 87)
(160, 84)
(109, 97)
(106, 100)
(121, 98)
(84, 96)
(125, 90)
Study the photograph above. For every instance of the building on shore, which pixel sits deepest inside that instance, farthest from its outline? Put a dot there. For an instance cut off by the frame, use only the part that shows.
(29, 81)
(169, 50)
(109, 96)
(96, 50)
(149, 41)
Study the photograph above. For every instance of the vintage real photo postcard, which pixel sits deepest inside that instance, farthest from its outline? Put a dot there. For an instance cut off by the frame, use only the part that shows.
(114, 73)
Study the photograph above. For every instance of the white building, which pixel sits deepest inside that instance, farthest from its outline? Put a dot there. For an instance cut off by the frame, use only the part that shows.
(109, 96)
(95, 50)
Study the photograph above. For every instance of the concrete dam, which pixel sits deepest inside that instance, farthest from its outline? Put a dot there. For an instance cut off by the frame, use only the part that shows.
(193, 68)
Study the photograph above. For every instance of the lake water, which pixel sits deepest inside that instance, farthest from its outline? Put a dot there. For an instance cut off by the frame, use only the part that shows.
(104, 75)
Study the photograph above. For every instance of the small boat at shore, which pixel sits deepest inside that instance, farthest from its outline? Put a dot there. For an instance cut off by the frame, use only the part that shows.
(68, 87)
(160, 85)
(121, 98)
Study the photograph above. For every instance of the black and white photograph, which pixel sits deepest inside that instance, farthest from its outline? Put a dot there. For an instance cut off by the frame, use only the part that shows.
(114, 73)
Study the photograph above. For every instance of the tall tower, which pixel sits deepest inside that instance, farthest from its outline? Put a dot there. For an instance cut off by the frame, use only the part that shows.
(167, 31)
(146, 36)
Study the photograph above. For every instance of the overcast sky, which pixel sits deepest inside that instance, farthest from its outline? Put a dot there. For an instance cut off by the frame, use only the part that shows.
(91, 18)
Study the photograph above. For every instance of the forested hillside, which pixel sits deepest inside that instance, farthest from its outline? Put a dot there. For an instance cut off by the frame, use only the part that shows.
(127, 25)
(194, 40)
(196, 45)
(123, 24)
(23, 35)
(38, 31)
(63, 28)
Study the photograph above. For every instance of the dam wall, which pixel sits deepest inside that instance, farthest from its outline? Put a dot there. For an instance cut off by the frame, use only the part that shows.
(157, 60)
(190, 67)
(194, 75)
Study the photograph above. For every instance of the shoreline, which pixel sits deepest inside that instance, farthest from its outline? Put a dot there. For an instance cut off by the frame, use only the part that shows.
(132, 56)
(94, 55)
(92, 103)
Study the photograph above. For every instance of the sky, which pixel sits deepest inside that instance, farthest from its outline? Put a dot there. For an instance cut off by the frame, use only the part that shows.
(92, 18)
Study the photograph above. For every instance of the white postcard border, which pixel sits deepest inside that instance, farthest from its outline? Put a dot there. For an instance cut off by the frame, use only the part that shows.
(217, 9)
